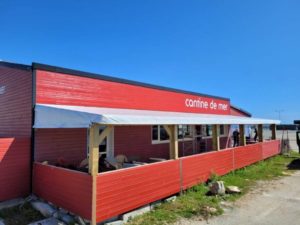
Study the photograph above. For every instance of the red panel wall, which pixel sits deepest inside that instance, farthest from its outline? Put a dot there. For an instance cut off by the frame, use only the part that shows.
(123, 190)
(270, 148)
(135, 142)
(15, 102)
(65, 89)
(14, 167)
(247, 155)
(71, 190)
(69, 145)
(198, 168)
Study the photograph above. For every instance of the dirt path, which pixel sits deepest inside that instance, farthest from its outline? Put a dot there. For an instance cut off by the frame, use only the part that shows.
(274, 202)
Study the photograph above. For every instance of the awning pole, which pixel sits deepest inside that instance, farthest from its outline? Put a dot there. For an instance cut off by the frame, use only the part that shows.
(273, 129)
(260, 133)
(172, 131)
(242, 135)
(216, 137)
(95, 139)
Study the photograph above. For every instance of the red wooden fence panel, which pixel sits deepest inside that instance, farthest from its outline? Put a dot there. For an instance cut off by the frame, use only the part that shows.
(14, 168)
(247, 155)
(270, 148)
(124, 190)
(198, 168)
(71, 190)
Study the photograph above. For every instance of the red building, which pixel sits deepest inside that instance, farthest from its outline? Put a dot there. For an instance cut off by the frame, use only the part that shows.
(54, 118)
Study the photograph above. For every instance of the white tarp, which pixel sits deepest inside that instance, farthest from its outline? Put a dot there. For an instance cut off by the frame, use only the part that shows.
(65, 116)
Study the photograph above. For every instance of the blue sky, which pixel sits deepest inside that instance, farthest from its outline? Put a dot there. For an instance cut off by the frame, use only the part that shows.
(248, 51)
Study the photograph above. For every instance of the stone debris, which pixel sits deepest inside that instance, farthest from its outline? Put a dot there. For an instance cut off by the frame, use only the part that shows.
(232, 190)
(217, 188)
(210, 210)
(49, 221)
(11, 203)
(117, 222)
(130, 215)
(80, 220)
(64, 217)
(171, 199)
(45, 209)
(154, 205)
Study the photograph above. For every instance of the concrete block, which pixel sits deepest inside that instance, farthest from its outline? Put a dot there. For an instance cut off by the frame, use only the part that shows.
(49, 221)
(171, 199)
(117, 222)
(154, 205)
(11, 203)
(130, 215)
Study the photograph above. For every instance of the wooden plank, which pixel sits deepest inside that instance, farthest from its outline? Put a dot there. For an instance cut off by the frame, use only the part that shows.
(260, 133)
(273, 129)
(216, 137)
(242, 135)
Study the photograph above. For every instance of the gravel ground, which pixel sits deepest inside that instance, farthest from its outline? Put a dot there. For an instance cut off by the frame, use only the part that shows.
(274, 202)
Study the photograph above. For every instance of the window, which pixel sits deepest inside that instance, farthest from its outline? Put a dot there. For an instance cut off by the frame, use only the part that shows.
(159, 134)
(222, 129)
(185, 131)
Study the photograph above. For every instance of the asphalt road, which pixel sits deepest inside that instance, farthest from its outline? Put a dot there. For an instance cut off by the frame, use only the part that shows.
(274, 202)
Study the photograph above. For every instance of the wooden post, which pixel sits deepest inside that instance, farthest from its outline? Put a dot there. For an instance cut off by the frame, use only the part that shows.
(273, 129)
(172, 131)
(95, 139)
(242, 135)
(216, 137)
(260, 133)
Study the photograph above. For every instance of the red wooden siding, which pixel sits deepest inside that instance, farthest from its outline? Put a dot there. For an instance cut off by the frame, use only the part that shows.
(135, 142)
(71, 190)
(14, 167)
(246, 155)
(236, 112)
(270, 148)
(66, 89)
(198, 168)
(68, 145)
(15, 102)
(123, 190)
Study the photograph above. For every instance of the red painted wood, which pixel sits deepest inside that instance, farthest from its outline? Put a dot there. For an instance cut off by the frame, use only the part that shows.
(270, 148)
(247, 155)
(66, 89)
(235, 112)
(71, 190)
(69, 145)
(15, 102)
(14, 168)
(198, 168)
(123, 190)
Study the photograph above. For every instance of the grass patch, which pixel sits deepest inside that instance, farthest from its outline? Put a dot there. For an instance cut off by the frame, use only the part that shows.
(195, 202)
(20, 215)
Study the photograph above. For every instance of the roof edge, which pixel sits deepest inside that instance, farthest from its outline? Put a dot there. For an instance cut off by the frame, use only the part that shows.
(241, 110)
(118, 80)
(15, 65)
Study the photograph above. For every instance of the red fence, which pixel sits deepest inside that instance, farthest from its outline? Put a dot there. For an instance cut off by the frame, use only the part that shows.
(69, 189)
(198, 168)
(14, 168)
(123, 190)
(270, 148)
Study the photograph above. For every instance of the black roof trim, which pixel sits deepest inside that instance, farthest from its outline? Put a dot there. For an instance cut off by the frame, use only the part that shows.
(241, 110)
(15, 65)
(115, 79)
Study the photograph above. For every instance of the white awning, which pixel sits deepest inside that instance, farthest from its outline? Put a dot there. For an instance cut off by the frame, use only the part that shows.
(65, 116)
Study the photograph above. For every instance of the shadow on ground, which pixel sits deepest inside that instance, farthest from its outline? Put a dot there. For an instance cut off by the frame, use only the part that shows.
(294, 165)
